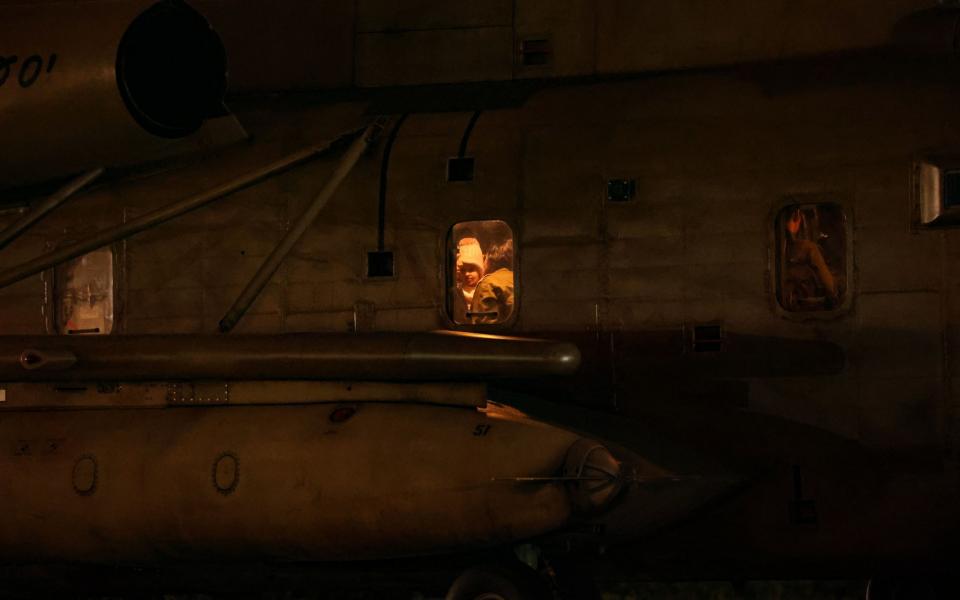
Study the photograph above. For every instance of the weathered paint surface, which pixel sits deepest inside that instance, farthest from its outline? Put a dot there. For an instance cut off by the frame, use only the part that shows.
(289, 482)
(371, 43)
(715, 157)
(693, 247)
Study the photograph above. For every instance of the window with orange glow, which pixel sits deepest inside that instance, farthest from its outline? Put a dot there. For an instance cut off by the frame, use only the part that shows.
(83, 289)
(481, 273)
(811, 257)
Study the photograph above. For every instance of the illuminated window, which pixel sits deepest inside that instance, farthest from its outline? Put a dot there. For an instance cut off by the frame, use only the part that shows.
(481, 271)
(83, 289)
(938, 186)
(811, 257)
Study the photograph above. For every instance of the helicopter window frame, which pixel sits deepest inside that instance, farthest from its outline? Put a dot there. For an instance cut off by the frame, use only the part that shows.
(58, 294)
(935, 193)
(486, 237)
(843, 274)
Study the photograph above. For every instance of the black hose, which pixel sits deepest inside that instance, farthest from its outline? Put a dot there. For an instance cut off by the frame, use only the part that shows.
(384, 168)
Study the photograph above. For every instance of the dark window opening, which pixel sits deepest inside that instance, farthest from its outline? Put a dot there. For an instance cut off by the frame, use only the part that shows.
(480, 273)
(460, 169)
(951, 189)
(380, 264)
(811, 257)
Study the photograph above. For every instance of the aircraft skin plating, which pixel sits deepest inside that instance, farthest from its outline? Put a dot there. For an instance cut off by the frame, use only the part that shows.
(388, 480)
(658, 223)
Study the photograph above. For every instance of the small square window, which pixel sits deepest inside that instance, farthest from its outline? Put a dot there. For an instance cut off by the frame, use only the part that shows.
(481, 273)
(811, 257)
(380, 264)
(83, 289)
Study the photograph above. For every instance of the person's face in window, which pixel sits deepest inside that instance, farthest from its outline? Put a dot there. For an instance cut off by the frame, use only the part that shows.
(794, 223)
(471, 275)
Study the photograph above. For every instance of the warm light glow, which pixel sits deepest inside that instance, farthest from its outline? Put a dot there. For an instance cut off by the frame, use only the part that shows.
(481, 273)
(84, 294)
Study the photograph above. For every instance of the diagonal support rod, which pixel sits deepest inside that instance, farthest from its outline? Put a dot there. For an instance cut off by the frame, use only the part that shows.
(21, 225)
(280, 252)
(161, 215)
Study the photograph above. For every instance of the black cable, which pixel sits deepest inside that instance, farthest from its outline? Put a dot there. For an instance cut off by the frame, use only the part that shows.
(384, 167)
(467, 132)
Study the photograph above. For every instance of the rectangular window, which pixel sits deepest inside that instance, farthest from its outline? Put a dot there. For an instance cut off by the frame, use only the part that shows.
(937, 192)
(811, 257)
(481, 272)
(83, 291)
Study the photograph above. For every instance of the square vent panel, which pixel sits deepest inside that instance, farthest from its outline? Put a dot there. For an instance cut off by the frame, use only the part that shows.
(380, 264)
(708, 338)
(535, 52)
(621, 190)
(460, 169)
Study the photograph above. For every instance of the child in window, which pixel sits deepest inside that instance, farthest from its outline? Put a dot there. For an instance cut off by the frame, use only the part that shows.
(807, 273)
(469, 272)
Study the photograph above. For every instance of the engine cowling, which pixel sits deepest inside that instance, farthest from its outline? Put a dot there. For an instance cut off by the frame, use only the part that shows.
(90, 84)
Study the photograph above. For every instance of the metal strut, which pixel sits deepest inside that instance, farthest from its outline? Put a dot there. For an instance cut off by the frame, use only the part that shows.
(21, 225)
(159, 216)
(280, 252)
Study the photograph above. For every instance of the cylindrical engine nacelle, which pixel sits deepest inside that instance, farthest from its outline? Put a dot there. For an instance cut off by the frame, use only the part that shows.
(99, 84)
